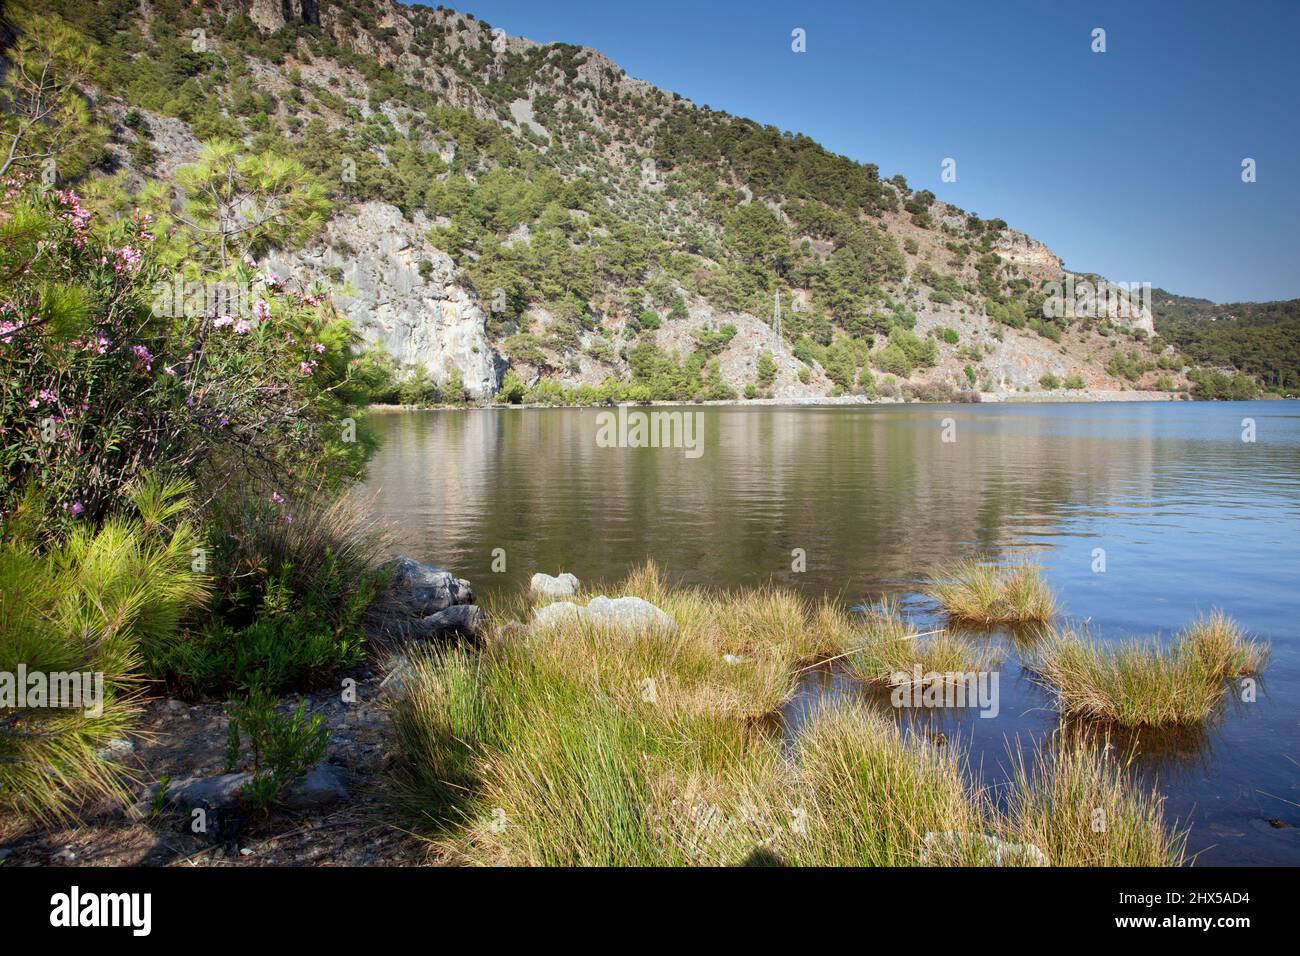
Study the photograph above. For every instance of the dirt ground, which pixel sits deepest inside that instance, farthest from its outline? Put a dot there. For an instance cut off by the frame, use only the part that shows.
(180, 740)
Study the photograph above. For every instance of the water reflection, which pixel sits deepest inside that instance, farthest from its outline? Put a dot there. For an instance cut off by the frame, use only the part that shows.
(1188, 515)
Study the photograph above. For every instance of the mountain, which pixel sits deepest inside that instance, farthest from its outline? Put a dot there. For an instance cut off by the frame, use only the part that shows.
(522, 219)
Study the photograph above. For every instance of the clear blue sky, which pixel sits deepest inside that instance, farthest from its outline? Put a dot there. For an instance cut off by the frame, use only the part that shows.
(1127, 163)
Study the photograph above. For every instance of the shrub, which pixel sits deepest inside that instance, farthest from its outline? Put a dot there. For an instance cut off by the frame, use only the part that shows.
(96, 388)
(284, 747)
(1049, 382)
(294, 583)
(94, 603)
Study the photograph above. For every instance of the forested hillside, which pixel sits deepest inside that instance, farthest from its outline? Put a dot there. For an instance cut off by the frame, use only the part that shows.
(498, 217)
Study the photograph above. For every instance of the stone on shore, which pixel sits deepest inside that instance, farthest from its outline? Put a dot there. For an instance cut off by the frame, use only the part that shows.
(562, 585)
(459, 620)
(425, 589)
(625, 615)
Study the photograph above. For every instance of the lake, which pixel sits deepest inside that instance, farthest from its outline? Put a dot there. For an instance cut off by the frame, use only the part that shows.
(1193, 506)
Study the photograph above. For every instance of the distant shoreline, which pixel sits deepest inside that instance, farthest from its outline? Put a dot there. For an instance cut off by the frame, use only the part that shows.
(1083, 396)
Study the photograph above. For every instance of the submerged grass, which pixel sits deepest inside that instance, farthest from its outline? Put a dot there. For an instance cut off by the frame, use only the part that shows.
(1143, 683)
(575, 745)
(976, 592)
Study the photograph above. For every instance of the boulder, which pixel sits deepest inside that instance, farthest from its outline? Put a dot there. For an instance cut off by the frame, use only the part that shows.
(324, 784)
(562, 585)
(398, 677)
(625, 615)
(459, 620)
(427, 590)
(211, 793)
(558, 614)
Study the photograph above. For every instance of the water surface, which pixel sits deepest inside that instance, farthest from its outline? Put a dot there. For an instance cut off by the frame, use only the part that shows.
(1189, 515)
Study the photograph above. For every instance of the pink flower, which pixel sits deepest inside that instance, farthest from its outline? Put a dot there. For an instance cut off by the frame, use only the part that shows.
(276, 498)
(126, 259)
(222, 321)
(262, 310)
(242, 326)
(77, 508)
(319, 348)
(304, 368)
(143, 354)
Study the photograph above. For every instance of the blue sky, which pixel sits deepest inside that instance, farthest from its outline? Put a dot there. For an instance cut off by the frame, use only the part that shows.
(1126, 163)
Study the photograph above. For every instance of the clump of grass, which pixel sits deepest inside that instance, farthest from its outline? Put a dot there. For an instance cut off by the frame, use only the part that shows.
(1221, 647)
(870, 799)
(886, 648)
(1077, 804)
(1143, 683)
(976, 592)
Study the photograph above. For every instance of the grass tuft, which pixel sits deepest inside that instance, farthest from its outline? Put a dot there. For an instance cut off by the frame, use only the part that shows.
(1143, 683)
(976, 592)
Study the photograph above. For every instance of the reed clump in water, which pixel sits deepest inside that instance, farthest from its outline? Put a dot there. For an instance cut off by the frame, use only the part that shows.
(1144, 683)
(976, 592)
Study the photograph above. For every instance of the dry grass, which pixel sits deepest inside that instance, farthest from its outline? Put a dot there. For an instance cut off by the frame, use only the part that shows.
(1077, 804)
(1143, 683)
(976, 592)
(572, 745)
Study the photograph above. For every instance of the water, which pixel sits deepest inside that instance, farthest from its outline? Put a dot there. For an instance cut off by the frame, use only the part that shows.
(1190, 517)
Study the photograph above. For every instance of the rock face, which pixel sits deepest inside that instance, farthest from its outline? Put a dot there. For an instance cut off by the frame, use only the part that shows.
(426, 590)
(625, 615)
(399, 292)
(562, 585)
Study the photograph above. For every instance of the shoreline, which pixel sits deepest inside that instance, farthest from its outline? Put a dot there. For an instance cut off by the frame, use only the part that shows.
(1084, 397)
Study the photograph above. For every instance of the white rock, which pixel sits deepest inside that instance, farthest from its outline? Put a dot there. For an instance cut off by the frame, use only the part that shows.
(625, 615)
(562, 585)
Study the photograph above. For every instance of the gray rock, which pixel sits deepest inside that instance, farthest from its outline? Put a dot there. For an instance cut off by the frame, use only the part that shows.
(459, 620)
(625, 615)
(562, 585)
(954, 847)
(323, 785)
(210, 793)
(399, 674)
(425, 589)
(427, 320)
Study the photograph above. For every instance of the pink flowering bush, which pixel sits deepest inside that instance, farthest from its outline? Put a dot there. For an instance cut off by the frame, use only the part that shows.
(97, 386)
